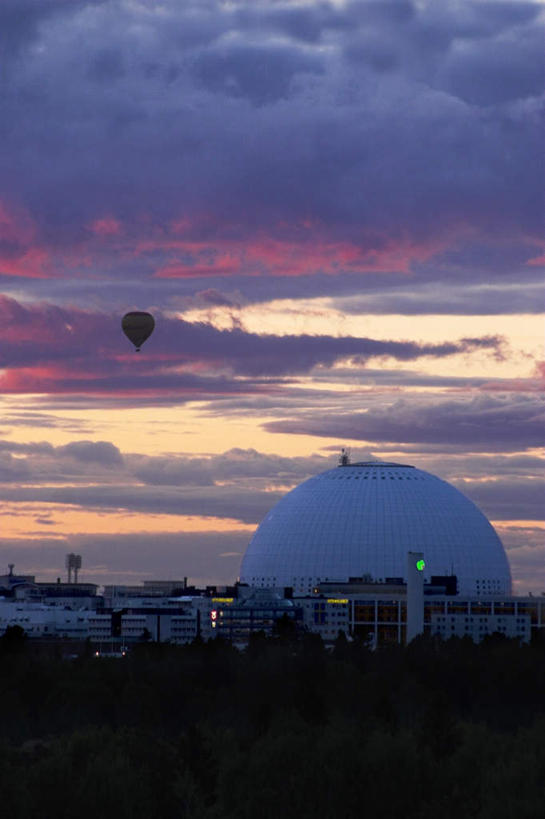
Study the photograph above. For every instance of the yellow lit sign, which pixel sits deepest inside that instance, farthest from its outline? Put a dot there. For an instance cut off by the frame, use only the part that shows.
(337, 600)
(223, 599)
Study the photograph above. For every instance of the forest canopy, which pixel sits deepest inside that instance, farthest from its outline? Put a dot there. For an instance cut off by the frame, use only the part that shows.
(284, 728)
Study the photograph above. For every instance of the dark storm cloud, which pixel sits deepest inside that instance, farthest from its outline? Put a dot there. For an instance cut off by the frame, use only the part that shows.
(382, 134)
(20, 21)
(306, 23)
(261, 75)
(482, 423)
(498, 81)
(447, 41)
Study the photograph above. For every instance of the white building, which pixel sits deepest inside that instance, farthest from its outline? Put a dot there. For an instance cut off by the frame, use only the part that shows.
(40, 620)
(362, 519)
(458, 625)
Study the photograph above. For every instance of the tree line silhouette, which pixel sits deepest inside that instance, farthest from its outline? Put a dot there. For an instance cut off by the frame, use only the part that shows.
(283, 728)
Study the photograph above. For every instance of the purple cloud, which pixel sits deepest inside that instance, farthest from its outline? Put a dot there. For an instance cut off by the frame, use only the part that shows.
(102, 452)
(12, 469)
(481, 423)
(508, 498)
(194, 155)
(48, 349)
(214, 501)
(385, 134)
(447, 299)
(82, 462)
(237, 483)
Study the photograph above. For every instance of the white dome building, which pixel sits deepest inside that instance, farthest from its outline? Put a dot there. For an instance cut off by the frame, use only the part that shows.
(363, 518)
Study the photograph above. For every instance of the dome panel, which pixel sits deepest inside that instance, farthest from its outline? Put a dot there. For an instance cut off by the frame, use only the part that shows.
(363, 518)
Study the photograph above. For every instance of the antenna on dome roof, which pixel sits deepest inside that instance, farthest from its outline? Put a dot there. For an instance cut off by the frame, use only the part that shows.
(344, 457)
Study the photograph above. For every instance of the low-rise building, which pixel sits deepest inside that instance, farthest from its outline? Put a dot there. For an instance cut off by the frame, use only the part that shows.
(376, 615)
(253, 610)
(39, 620)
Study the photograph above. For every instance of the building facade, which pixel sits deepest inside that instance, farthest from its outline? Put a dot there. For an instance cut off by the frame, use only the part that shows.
(377, 615)
(362, 519)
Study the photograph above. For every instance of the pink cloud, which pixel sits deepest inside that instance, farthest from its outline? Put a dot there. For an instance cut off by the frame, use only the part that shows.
(107, 226)
(200, 247)
(29, 380)
(34, 263)
(303, 252)
(21, 254)
(25, 252)
(223, 264)
(536, 383)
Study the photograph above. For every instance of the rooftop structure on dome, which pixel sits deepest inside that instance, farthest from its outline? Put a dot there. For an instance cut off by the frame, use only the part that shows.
(362, 518)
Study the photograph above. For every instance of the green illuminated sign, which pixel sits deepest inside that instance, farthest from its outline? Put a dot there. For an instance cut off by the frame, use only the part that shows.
(420, 565)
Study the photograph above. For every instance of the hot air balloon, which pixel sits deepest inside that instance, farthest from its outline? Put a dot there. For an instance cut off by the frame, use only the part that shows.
(137, 327)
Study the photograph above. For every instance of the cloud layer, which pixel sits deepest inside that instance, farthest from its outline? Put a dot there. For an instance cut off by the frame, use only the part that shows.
(484, 423)
(39, 482)
(205, 158)
(51, 349)
(237, 484)
(183, 140)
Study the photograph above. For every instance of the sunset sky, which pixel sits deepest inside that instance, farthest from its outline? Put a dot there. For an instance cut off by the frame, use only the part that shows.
(334, 212)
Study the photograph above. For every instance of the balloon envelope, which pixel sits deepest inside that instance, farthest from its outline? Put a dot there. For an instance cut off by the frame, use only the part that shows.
(137, 327)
